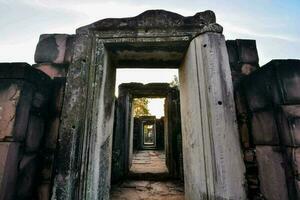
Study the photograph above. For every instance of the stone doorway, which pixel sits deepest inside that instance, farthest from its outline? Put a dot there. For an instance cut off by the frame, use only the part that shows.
(213, 166)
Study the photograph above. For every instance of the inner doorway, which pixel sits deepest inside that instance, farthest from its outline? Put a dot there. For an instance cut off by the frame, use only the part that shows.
(155, 147)
(149, 158)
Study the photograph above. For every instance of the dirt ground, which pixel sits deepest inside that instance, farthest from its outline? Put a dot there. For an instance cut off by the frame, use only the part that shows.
(150, 169)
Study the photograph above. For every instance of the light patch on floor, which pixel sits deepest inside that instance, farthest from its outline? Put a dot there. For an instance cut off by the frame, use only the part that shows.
(148, 190)
(149, 162)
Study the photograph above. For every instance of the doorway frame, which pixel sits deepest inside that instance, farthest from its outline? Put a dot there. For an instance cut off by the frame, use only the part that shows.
(87, 120)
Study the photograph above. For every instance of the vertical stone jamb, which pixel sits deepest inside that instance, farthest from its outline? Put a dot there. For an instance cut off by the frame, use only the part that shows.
(73, 121)
(213, 165)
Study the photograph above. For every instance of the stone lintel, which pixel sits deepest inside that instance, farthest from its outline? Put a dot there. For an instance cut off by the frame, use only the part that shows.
(153, 21)
(150, 90)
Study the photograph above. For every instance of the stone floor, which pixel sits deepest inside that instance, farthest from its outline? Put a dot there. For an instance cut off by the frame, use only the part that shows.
(148, 190)
(149, 161)
(148, 180)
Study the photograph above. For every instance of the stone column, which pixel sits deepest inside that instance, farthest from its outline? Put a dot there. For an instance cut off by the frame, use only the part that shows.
(213, 166)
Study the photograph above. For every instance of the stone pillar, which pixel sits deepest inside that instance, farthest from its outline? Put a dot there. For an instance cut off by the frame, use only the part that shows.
(72, 130)
(100, 128)
(213, 165)
(52, 56)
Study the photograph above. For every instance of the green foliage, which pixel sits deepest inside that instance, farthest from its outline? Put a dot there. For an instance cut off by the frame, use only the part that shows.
(140, 107)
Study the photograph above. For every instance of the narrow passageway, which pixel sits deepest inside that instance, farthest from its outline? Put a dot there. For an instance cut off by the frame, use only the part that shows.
(148, 179)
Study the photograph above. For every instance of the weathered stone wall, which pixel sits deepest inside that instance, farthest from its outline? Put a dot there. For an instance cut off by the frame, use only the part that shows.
(243, 58)
(268, 107)
(52, 56)
(24, 110)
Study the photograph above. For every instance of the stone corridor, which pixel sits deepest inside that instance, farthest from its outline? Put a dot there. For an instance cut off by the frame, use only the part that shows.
(148, 180)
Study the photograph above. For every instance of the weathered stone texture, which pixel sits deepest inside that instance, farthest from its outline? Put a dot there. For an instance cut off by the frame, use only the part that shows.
(243, 58)
(212, 169)
(24, 98)
(267, 104)
(10, 157)
(289, 123)
(9, 99)
(264, 128)
(51, 48)
(271, 173)
(52, 70)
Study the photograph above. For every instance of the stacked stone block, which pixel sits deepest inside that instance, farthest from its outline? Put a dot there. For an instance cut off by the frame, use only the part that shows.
(53, 56)
(269, 101)
(24, 94)
(243, 58)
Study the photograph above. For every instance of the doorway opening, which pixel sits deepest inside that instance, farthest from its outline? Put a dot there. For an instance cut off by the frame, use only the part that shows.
(89, 149)
(147, 147)
(149, 158)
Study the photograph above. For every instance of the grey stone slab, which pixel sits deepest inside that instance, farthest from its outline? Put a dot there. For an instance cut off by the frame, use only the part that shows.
(289, 123)
(10, 155)
(213, 165)
(264, 128)
(27, 177)
(9, 99)
(51, 48)
(247, 51)
(35, 133)
(271, 173)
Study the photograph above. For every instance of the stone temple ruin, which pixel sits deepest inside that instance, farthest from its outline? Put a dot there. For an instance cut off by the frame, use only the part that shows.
(231, 131)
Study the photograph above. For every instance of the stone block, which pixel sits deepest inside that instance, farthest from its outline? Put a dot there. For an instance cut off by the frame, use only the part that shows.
(51, 133)
(249, 155)
(288, 79)
(271, 173)
(289, 124)
(247, 51)
(47, 166)
(247, 69)
(293, 172)
(259, 89)
(293, 155)
(44, 191)
(69, 48)
(240, 101)
(52, 70)
(10, 156)
(27, 176)
(58, 94)
(264, 128)
(15, 104)
(51, 48)
(35, 133)
(232, 54)
(297, 183)
(9, 99)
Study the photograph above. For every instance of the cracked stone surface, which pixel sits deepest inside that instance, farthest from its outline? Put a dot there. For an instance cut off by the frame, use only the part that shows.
(8, 104)
(148, 190)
